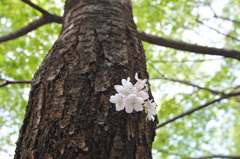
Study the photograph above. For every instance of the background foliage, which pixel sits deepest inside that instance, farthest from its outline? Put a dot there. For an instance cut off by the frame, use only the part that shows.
(210, 131)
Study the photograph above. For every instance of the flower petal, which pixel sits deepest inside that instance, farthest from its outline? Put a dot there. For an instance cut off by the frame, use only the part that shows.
(138, 104)
(119, 106)
(129, 108)
(113, 99)
(136, 76)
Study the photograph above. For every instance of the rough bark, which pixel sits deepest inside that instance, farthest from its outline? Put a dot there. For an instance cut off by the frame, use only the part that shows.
(69, 115)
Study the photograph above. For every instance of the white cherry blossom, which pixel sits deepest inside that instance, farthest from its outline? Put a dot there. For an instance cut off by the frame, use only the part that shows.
(134, 97)
(118, 100)
(150, 108)
(144, 95)
(140, 83)
(126, 88)
(133, 102)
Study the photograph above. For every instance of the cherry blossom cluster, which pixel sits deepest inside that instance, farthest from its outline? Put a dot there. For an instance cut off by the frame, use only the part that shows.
(133, 97)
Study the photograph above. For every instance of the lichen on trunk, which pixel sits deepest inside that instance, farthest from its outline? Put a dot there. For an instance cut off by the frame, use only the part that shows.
(69, 114)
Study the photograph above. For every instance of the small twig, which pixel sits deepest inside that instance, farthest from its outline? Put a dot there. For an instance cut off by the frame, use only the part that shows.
(189, 84)
(7, 82)
(216, 156)
(198, 108)
(47, 15)
(234, 21)
(184, 82)
(6, 151)
(168, 152)
(216, 16)
(233, 38)
(214, 13)
(203, 60)
(43, 11)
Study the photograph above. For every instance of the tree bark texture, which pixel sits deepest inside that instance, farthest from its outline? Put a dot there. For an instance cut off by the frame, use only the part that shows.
(69, 115)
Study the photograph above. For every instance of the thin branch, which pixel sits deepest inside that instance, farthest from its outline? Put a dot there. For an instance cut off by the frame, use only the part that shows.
(43, 11)
(45, 19)
(231, 20)
(168, 152)
(216, 156)
(200, 60)
(230, 53)
(198, 108)
(189, 84)
(216, 16)
(47, 15)
(231, 37)
(31, 26)
(184, 82)
(7, 82)
(6, 151)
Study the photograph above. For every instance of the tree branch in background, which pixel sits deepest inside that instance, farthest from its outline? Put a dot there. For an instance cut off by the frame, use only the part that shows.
(52, 18)
(216, 156)
(216, 16)
(206, 157)
(230, 53)
(184, 82)
(198, 108)
(7, 82)
(219, 32)
(168, 152)
(30, 27)
(45, 19)
(234, 21)
(189, 84)
(182, 61)
(43, 11)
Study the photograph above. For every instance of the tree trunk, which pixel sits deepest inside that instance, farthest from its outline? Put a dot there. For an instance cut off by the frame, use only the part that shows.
(69, 115)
